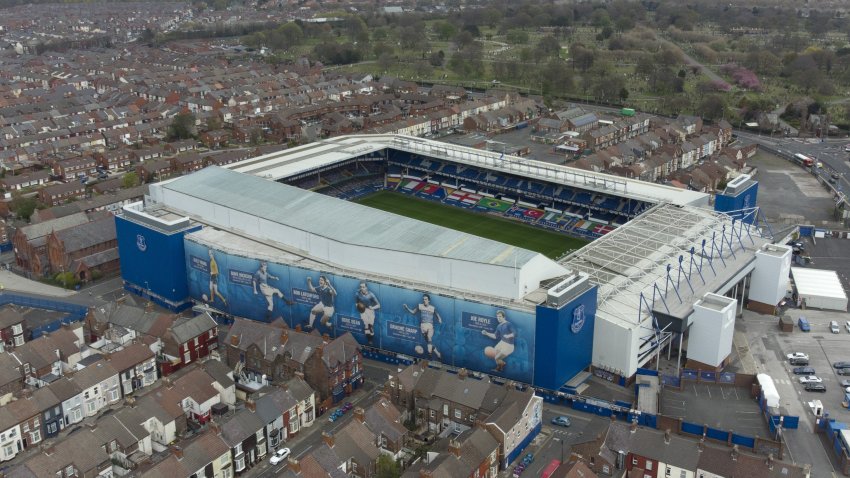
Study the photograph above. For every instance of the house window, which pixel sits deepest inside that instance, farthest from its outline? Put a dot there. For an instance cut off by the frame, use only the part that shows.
(35, 436)
(433, 413)
(51, 428)
(19, 340)
(113, 395)
(91, 407)
(36, 423)
(605, 468)
(667, 471)
(634, 461)
(9, 451)
(649, 465)
(26, 427)
(682, 474)
(27, 368)
(70, 471)
(187, 356)
(225, 473)
(458, 414)
(445, 410)
(17, 329)
(224, 460)
(240, 463)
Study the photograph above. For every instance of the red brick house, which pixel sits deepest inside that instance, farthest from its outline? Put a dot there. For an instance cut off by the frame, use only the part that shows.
(154, 170)
(61, 193)
(186, 163)
(184, 340)
(71, 169)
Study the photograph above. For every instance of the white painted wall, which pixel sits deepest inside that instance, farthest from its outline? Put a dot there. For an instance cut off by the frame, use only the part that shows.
(769, 280)
(712, 329)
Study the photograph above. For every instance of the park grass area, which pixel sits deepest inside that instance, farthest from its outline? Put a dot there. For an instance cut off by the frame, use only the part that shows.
(548, 243)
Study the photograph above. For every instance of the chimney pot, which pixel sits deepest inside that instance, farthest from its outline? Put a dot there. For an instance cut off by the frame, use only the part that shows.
(234, 340)
(735, 453)
(326, 338)
(284, 337)
(298, 328)
(770, 461)
(667, 436)
(360, 414)
(462, 373)
(250, 404)
(178, 452)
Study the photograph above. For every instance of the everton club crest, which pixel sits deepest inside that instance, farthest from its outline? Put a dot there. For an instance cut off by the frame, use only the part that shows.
(578, 319)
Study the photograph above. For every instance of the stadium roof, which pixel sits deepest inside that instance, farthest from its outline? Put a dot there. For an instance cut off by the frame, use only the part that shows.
(344, 221)
(634, 257)
(295, 161)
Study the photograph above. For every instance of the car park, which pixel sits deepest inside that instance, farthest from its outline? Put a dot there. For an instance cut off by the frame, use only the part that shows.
(561, 421)
(815, 387)
(833, 327)
(841, 364)
(811, 379)
(803, 371)
(280, 455)
(798, 355)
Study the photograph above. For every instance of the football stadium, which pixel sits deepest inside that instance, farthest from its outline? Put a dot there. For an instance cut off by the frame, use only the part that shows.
(511, 267)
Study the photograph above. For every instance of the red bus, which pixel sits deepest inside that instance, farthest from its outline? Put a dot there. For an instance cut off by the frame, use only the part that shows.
(550, 469)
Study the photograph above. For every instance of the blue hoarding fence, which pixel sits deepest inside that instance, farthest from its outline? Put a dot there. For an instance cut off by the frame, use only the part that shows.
(790, 422)
(671, 381)
(692, 428)
(707, 376)
(73, 312)
(647, 371)
(689, 375)
(807, 231)
(742, 440)
(715, 434)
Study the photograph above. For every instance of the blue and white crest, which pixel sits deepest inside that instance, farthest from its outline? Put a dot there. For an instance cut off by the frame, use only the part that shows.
(578, 319)
(141, 243)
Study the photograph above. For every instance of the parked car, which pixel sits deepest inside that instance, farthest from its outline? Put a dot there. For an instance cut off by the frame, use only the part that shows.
(561, 421)
(841, 364)
(842, 371)
(799, 361)
(811, 379)
(798, 355)
(833, 327)
(803, 371)
(815, 387)
(845, 383)
(847, 326)
(348, 406)
(280, 455)
(804, 324)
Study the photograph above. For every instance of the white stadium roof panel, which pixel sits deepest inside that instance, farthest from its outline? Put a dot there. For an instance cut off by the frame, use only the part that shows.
(344, 221)
(294, 161)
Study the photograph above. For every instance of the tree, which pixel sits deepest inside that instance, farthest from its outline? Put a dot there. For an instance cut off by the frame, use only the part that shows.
(437, 58)
(583, 58)
(444, 30)
(182, 126)
(548, 46)
(387, 467)
(130, 180)
(385, 61)
(517, 37)
(23, 206)
(712, 107)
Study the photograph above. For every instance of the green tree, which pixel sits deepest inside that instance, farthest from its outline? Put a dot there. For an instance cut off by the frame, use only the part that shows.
(548, 46)
(517, 37)
(23, 206)
(130, 180)
(182, 126)
(444, 30)
(387, 467)
(712, 107)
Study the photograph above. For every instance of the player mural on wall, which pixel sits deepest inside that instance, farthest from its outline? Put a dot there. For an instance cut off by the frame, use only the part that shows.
(506, 335)
(214, 281)
(367, 304)
(261, 285)
(325, 306)
(427, 314)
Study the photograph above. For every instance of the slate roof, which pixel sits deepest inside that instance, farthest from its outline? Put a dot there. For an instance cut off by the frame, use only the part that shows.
(44, 228)
(240, 426)
(88, 234)
(187, 328)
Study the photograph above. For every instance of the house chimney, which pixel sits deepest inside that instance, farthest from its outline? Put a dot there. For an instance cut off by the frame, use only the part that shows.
(326, 338)
(214, 426)
(770, 461)
(234, 340)
(454, 447)
(298, 328)
(360, 414)
(294, 465)
(633, 427)
(178, 452)
(667, 436)
(462, 373)
(735, 453)
(701, 444)
(328, 439)
(107, 357)
(250, 404)
(284, 337)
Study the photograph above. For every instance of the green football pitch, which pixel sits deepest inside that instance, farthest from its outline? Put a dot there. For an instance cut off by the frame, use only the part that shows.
(545, 242)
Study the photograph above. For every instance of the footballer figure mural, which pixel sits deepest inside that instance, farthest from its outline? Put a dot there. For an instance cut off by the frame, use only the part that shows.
(367, 304)
(505, 334)
(427, 315)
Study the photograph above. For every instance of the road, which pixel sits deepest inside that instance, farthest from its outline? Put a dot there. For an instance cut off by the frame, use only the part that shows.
(830, 153)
